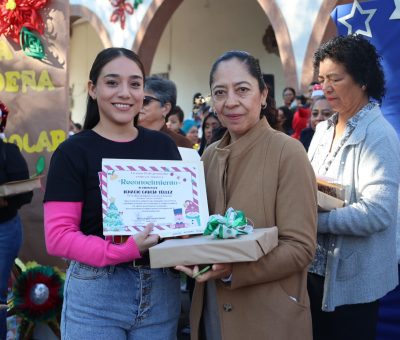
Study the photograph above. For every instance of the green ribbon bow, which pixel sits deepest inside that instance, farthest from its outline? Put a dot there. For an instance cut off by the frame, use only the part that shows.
(232, 225)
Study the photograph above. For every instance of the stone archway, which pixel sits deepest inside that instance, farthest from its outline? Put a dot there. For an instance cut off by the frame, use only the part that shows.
(93, 19)
(151, 29)
(286, 53)
(323, 30)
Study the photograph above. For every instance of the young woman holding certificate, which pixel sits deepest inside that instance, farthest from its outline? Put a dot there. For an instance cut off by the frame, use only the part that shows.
(266, 174)
(110, 291)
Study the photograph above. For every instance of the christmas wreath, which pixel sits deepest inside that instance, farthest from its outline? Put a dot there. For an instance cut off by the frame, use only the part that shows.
(37, 297)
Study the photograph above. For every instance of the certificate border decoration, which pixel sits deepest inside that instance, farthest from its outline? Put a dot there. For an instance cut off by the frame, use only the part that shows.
(173, 167)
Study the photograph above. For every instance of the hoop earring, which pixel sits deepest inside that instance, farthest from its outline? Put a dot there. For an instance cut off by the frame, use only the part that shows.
(264, 106)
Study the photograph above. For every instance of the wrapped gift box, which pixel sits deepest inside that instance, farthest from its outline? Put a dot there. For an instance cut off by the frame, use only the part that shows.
(19, 187)
(327, 202)
(207, 250)
(330, 194)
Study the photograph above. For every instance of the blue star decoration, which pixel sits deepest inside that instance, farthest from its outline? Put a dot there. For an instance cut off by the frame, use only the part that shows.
(396, 13)
(384, 24)
(356, 18)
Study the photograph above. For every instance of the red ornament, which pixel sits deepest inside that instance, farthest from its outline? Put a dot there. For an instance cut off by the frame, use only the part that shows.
(119, 12)
(15, 14)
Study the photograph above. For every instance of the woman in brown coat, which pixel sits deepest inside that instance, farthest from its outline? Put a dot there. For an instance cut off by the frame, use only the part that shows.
(267, 175)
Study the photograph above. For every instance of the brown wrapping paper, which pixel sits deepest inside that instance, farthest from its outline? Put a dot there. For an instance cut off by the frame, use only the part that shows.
(327, 202)
(19, 187)
(206, 250)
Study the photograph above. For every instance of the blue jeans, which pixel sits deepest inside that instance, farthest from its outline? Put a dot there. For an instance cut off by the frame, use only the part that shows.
(10, 243)
(116, 302)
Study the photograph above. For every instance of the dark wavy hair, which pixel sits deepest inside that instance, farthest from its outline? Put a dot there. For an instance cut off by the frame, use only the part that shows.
(104, 57)
(360, 59)
(177, 112)
(254, 69)
(203, 141)
(287, 124)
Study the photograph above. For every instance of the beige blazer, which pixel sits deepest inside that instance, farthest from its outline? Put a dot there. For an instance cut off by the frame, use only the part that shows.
(267, 175)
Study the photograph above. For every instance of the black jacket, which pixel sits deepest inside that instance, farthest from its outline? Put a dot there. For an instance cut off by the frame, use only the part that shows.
(13, 167)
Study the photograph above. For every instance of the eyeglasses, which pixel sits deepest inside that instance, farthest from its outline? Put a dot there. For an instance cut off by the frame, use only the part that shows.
(148, 99)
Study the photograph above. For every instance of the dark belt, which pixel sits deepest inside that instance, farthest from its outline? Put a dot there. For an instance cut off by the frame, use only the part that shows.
(144, 261)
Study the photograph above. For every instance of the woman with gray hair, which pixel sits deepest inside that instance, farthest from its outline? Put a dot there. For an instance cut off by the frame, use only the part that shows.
(159, 100)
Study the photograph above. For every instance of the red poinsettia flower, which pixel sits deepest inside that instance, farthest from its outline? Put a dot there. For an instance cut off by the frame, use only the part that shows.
(14, 14)
(119, 12)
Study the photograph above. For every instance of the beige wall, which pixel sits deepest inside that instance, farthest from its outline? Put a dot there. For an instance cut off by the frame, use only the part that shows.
(84, 47)
(198, 32)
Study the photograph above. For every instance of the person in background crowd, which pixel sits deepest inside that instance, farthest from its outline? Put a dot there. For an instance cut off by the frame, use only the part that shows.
(284, 118)
(310, 90)
(288, 95)
(159, 100)
(262, 172)
(191, 132)
(301, 100)
(71, 126)
(301, 117)
(317, 91)
(77, 127)
(201, 113)
(198, 101)
(210, 124)
(320, 111)
(110, 291)
(13, 167)
(355, 262)
(175, 120)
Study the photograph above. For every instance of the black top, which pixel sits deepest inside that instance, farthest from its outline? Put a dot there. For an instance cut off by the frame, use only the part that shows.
(13, 167)
(306, 136)
(74, 167)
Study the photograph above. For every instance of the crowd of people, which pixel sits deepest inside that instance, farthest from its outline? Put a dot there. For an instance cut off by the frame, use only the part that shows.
(330, 269)
(297, 117)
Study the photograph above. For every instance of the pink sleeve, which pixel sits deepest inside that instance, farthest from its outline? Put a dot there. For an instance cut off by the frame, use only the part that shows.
(64, 238)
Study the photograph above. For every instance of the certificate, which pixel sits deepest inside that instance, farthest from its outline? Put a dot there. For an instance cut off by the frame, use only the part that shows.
(169, 194)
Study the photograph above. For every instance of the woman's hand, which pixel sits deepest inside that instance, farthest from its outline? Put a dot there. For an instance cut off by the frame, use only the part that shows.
(144, 240)
(217, 271)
